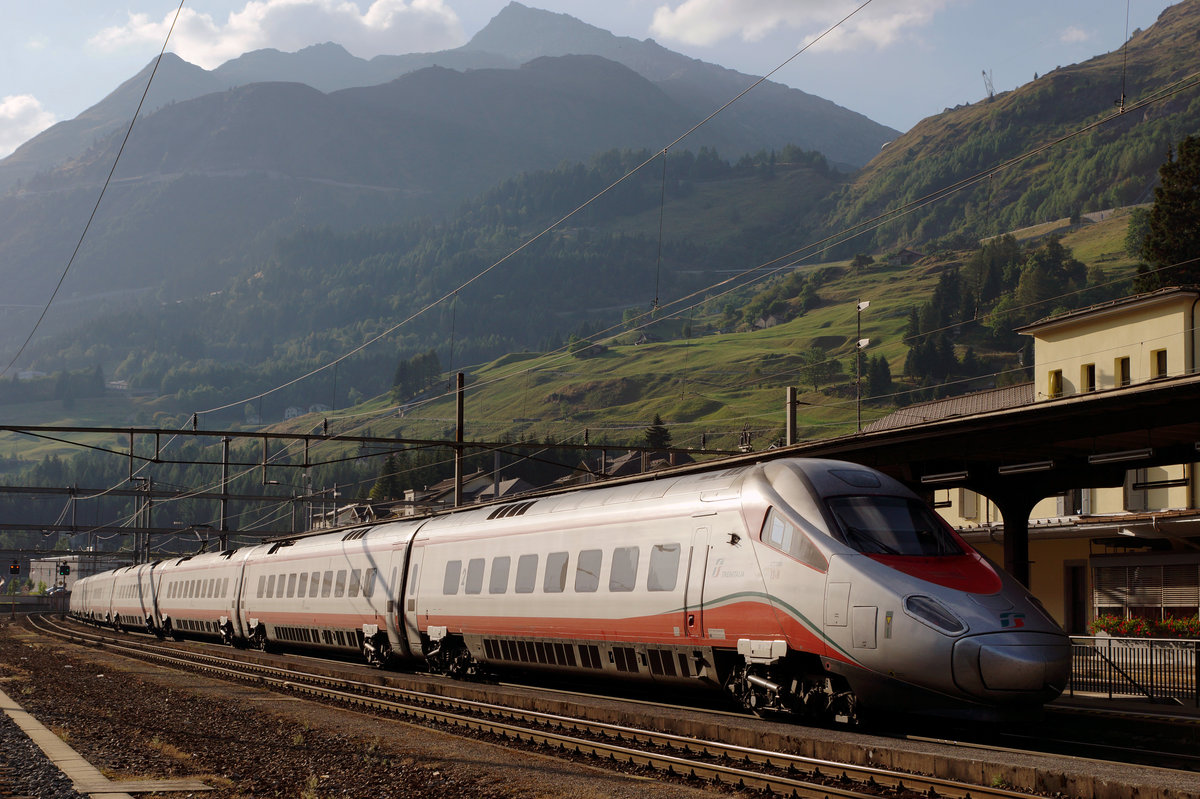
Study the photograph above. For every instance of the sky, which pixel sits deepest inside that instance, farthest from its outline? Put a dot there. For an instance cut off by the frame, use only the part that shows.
(896, 61)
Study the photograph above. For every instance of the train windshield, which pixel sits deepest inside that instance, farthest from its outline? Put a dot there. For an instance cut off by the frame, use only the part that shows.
(879, 525)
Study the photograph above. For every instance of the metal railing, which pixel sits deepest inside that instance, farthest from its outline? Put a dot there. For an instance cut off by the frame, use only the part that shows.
(1163, 670)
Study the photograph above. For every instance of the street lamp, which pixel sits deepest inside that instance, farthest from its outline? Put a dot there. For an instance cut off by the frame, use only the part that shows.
(859, 345)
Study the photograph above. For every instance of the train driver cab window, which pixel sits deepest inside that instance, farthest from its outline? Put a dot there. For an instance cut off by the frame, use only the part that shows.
(623, 576)
(781, 534)
(881, 525)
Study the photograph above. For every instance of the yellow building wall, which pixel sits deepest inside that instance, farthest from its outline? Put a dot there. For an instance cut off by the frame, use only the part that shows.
(1047, 568)
(1132, 332)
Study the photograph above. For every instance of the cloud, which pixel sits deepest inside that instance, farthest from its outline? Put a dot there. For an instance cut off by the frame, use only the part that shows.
(1073, 35)
(706, 22)
(386, 26)
(21, 118)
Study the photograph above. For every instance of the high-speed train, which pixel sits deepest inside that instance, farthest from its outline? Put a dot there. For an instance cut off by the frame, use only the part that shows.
(814, 587)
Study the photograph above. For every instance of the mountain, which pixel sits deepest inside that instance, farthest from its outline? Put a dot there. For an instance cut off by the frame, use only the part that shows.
(778, 114)
(770, 117)
(206, 185)
(175, 80)
(1111, 165)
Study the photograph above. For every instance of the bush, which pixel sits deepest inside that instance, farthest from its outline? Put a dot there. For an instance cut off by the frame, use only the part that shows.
(1120, 627)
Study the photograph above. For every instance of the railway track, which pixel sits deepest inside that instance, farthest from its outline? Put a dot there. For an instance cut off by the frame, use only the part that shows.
(682, 756)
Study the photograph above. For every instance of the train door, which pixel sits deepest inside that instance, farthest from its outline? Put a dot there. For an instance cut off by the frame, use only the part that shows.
(394, 582)
(411, 592)
(693, 602)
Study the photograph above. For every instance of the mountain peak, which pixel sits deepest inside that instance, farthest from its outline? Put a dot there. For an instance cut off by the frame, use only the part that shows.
(524, 33)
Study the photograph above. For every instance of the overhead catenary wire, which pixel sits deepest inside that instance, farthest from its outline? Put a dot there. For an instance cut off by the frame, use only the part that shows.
(103, 189)
(545, 231)
(991, 172)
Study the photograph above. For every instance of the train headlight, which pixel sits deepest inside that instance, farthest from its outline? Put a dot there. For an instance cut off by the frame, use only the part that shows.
(933, 613)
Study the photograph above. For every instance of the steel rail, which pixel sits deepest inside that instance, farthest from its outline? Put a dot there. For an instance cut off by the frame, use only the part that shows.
(548, 730)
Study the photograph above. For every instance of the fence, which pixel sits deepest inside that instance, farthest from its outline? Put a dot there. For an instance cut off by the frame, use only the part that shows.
(1155, 669)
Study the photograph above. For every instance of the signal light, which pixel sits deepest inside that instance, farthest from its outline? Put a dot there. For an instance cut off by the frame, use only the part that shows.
(64, 569)
(14, 568)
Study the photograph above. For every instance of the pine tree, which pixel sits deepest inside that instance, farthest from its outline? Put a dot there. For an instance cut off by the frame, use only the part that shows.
(657, 434)
(388, 485)
(1172, 244)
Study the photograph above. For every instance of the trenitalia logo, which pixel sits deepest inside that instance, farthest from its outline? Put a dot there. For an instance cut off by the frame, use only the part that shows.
(1012, 619)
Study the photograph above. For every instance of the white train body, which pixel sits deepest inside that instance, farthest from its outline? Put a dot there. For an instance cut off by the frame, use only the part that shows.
(808, 586)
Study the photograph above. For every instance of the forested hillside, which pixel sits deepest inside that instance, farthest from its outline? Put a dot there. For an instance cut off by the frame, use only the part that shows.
(1112, 164)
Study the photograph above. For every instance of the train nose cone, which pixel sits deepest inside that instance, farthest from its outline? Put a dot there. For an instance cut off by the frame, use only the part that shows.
(1030, 665)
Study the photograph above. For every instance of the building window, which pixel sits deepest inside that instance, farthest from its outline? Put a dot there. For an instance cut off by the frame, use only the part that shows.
(1158, 364)
(1121, 372)
(1054, 385)
(1087, 377)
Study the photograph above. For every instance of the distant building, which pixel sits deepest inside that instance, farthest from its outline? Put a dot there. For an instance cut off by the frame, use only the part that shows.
(1131, 550)
(905, 257)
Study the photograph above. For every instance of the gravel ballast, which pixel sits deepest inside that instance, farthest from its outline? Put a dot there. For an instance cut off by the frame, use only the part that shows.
(133, 720)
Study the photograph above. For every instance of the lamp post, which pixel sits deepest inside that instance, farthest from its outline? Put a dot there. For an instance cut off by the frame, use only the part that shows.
(859, 345)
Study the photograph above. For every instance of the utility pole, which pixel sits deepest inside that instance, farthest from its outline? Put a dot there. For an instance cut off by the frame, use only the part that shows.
(458, 440)
(859, 345)
(223, 529)
(790, 437)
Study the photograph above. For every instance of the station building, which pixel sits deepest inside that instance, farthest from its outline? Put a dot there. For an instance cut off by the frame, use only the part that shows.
(1130, 550)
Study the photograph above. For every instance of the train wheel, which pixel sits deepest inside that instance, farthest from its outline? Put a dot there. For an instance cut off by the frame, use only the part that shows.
(377, 650)
(452, 658)
(259, 639)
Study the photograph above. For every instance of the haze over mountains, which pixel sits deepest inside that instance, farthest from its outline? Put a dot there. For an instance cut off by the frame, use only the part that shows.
(213, 189)
(223, 162)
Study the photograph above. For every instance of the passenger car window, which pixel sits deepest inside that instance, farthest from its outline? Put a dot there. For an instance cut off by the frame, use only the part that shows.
(270, 586)
(453, 573)
(355, 582)
(291, 592)
(327, 584)
(498, 582)
(314, 583)
(339, 588)
(555, 578)
(664, 567)
(262, 585)
(368, 586)
(475, 575)
(587, 570)
(302, 586)
(526, 573)
(623, 576)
